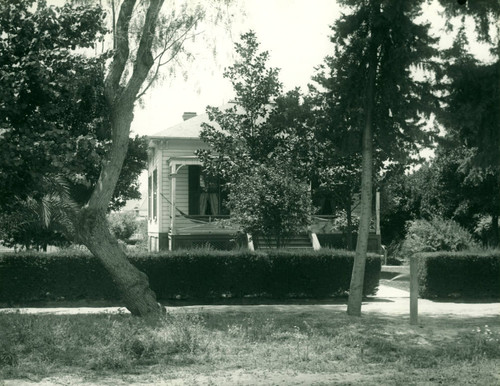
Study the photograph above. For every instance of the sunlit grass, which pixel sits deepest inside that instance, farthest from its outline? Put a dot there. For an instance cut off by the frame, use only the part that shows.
(201, 343)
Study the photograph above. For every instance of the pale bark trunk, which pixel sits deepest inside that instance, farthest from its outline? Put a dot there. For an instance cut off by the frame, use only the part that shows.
(132, 284)
(90, 222)
(358, 269)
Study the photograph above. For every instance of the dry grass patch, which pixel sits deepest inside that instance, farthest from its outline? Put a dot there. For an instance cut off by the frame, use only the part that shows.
(325, 345)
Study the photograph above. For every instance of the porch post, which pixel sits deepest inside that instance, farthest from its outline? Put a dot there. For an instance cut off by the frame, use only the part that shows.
(173, 183)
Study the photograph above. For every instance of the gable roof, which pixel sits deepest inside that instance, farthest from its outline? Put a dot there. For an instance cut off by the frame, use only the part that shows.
(190, 128)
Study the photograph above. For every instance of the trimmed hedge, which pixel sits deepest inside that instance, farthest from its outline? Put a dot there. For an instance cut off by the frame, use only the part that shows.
(459, 274)
(195, 274)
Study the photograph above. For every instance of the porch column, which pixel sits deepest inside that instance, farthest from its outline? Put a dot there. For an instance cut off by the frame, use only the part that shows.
(173, 183)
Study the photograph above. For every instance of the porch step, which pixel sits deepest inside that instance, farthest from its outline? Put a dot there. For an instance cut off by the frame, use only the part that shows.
(297, 242)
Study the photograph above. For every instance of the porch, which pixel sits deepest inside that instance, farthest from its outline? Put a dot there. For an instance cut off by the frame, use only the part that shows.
(193, 215)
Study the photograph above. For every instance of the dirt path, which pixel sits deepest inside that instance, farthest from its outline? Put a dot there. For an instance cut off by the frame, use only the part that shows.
(388, 301)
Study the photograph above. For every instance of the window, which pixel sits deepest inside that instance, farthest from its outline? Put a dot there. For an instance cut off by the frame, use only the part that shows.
(322, 199)
(150, 189)
(207, 195)
(155, 194)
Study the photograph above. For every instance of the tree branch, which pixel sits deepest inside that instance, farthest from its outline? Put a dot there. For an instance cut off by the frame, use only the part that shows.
(183, 37)
(121, 102)
(121, 52)
(144, 59)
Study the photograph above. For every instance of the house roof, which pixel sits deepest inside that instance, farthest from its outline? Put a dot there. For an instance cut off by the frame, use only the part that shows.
(190, 128)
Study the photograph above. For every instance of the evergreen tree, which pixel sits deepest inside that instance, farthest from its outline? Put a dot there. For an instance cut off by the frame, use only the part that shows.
(376, 103)
(470, 114)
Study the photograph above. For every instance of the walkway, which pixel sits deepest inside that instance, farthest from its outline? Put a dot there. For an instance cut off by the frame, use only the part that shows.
(388, 301)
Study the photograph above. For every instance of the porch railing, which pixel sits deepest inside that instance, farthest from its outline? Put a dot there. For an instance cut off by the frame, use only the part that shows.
(204, 218)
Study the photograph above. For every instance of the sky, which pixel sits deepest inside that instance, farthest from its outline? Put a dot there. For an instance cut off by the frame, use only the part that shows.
(296, 34)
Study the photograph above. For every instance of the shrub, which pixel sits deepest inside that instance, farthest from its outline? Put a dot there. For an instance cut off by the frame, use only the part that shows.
(459, 274)
(195, 274)
(436, 235)
(68, 276)
(123, 225)
(270, 201)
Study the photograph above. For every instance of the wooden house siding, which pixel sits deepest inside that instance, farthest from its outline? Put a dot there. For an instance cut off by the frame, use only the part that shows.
(153, 224)
(172, 148)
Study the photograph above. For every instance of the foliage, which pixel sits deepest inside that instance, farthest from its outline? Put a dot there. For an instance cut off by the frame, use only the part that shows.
(434, 235)
(37, 223)
(123, 225)
(484, 13)
(373, 100)
(252, 140)
(69, 111)
(268, 201)
(55, 122)
(472, 274)
(195, 274)
(399, 203)
(470, 113)
(400, 100)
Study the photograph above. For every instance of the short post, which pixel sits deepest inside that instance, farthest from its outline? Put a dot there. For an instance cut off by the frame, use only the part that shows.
(250, 242)
(413, 291)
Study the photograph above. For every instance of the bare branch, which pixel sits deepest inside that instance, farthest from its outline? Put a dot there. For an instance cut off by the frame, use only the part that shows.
(183, 37)
(144, 59)
(122, 103)
(121, 52)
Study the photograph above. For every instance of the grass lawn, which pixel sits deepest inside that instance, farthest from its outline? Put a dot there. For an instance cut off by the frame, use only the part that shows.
(242, 347)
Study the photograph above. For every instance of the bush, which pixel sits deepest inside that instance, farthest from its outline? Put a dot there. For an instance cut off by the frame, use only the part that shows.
(72, 275)
(459, 274)
(195, 274)
(270, 201)
(123, 225)
(436, 235)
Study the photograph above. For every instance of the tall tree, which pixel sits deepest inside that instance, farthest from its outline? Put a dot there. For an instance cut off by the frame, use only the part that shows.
(42, 99)
(259, 146)
(470, 113)
(377, 100)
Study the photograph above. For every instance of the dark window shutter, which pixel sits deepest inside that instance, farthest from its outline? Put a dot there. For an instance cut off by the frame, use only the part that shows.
(194, 172)
(155, 194)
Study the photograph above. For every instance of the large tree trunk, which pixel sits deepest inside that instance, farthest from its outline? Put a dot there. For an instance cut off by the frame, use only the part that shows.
(90, 222)
(358, 269)
(133, 285)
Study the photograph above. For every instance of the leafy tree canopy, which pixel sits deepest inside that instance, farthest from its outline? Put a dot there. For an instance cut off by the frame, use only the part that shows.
(53, 116)
(261, 146)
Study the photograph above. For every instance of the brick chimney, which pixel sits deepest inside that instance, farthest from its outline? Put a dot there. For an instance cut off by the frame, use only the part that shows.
(188, 115)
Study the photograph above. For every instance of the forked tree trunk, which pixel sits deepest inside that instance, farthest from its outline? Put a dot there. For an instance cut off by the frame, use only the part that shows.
(90, 222)
(358, 269)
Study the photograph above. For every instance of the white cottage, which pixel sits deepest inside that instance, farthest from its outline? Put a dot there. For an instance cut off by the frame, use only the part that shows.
(185, 207)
